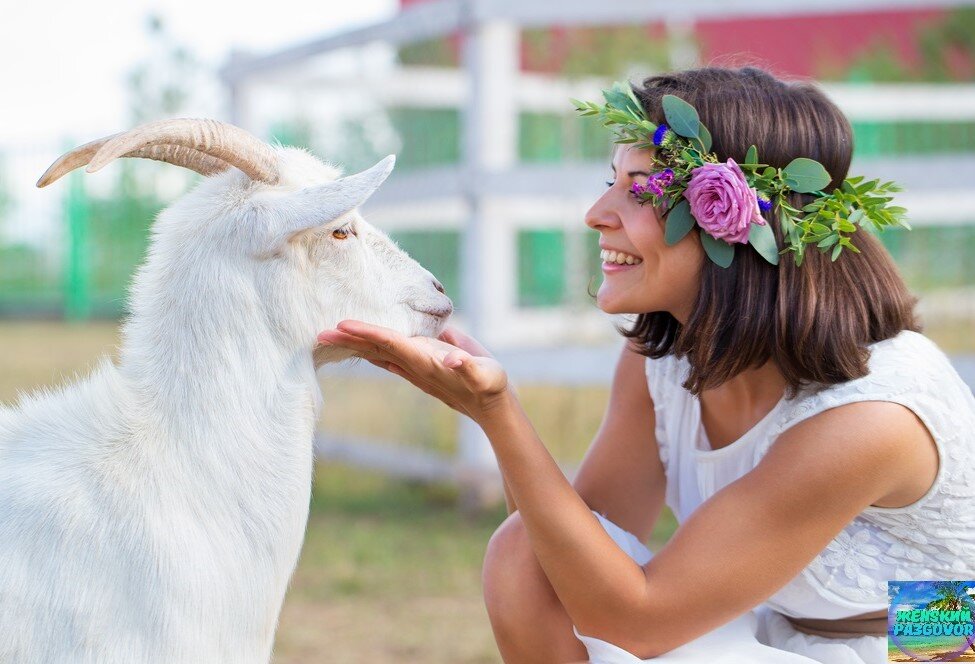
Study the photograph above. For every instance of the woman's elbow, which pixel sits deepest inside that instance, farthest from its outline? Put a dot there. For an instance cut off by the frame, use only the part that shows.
(637, 634)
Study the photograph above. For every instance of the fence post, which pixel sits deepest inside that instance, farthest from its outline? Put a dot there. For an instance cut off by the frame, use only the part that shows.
(490, 145)
(77, 291)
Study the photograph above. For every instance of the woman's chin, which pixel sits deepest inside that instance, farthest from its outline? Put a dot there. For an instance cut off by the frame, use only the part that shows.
(611, 304)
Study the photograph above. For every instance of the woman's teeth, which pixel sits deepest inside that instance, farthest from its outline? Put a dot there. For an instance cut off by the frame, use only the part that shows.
(619, 258)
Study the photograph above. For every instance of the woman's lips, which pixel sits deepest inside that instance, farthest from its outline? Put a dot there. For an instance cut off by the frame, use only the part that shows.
(610, 268)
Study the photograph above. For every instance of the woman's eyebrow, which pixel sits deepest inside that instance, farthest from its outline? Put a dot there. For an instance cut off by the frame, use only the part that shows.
(630, 173)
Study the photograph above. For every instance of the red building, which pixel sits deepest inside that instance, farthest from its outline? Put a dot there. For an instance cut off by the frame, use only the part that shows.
(821, 45)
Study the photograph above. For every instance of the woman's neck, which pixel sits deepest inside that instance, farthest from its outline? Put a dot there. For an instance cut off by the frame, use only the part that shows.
(733, 408)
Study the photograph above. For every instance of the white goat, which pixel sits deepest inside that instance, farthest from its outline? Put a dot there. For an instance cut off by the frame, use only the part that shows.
(154, 511)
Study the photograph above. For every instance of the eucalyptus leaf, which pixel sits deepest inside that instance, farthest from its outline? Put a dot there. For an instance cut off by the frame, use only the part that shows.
(836, 251)
(618, 98)
(719, 251)
(751, 157)
(681, 117)
(705, 137)
(805, 175)
(679, 222)
(762, 238)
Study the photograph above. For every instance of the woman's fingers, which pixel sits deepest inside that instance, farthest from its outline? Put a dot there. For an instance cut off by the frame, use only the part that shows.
(457, 338)
(387, 342)
(339, 338)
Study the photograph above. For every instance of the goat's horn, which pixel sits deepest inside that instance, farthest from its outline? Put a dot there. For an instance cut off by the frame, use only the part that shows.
(205, 146)
(189, 158)
(217, 139)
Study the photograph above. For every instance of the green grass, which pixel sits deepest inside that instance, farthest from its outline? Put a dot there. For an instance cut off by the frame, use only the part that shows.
(390, 570)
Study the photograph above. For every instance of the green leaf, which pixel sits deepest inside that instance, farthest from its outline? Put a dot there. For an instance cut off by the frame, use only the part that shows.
(618, 98)
(866, 186)
(805, 175)
(751, 157)
(705, 137)
(829, 241)
(681, 117)
(679, 222)
(836, 251)
(762, 238)
(718, 251)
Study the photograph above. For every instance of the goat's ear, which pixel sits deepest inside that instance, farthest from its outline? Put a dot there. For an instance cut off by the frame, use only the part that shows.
(316, 206)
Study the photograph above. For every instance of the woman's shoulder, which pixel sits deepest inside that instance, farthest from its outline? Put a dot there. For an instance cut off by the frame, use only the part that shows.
(907, 361)
(908, 369)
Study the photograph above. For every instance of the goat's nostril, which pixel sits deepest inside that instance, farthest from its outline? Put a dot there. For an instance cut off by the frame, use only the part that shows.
(439, 287)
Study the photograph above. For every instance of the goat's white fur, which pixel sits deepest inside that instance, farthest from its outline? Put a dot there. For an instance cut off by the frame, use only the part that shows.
(154, 511)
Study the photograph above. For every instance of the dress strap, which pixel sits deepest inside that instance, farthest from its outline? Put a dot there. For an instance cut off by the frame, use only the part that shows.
(873, 623)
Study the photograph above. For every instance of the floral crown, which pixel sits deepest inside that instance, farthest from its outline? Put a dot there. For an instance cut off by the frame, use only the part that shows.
(726, 199)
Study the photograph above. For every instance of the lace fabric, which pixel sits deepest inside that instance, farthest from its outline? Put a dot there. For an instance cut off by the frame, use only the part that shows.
(933, 538)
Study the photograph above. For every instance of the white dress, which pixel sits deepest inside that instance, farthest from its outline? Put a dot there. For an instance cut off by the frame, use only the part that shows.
(930, 539)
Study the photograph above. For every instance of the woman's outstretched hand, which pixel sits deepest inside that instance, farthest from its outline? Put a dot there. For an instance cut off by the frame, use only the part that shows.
(454, 367)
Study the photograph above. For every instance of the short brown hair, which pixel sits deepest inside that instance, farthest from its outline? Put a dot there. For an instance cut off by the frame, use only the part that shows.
(815, 320)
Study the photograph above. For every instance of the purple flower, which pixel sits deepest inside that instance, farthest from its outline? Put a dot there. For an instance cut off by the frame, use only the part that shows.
(722, 202)
(637, 188)
(764, 204)
(659, 180)
(662, 135)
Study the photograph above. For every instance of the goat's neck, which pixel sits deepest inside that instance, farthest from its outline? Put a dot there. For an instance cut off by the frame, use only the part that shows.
(212, 376)
(226, 409)
(202, 385)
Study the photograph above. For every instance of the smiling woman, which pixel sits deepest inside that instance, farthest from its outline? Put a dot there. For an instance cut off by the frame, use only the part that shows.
(811, 441)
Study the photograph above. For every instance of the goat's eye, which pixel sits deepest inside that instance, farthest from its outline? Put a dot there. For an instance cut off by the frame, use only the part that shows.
(341, 233)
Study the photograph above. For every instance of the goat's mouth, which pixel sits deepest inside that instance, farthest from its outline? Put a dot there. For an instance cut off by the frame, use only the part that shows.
(440, 313)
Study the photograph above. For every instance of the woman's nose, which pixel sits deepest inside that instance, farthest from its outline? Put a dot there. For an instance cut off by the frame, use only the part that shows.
(601, 215)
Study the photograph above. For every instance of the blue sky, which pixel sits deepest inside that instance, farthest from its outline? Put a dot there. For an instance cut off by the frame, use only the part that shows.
(916, 595)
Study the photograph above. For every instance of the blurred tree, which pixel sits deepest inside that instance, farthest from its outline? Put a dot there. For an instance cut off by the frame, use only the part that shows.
(597, 51)
(169, 80)
(6, 200)
(437, 52)
(946, 51)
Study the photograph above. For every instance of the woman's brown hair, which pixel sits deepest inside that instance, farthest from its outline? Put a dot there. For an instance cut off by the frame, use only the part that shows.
(815, 320)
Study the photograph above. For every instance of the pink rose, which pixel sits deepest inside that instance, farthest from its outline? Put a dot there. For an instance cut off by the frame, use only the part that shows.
(722, 202)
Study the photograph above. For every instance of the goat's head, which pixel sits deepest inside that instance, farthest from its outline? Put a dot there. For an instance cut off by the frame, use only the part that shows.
(281, 228)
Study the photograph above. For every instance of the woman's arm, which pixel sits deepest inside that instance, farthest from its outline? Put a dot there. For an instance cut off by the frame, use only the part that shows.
(621, 475)
(735, 551)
